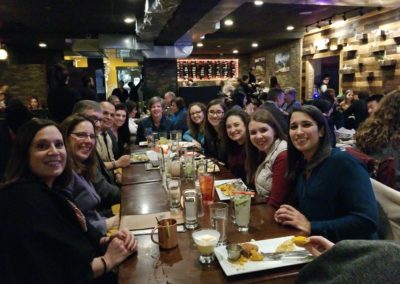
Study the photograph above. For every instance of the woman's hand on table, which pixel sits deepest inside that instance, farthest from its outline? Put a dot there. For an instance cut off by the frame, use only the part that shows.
(318, 245)
(288, 215)
(118, 250)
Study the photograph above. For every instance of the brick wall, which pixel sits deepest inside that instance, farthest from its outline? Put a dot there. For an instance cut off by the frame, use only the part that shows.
(25, 80)
(159, 77)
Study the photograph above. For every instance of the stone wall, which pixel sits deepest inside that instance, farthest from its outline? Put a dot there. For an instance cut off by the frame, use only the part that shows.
(159, 77)
(285, 79)
(25, 80)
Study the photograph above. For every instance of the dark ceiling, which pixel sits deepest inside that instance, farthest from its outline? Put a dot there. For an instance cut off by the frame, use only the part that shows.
(23, 24)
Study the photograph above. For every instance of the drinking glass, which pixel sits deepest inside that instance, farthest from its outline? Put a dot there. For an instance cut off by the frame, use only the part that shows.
(174, 191)
(206, 181)
(206, 240)
(242, 211)
(219, 217)
(190, 200)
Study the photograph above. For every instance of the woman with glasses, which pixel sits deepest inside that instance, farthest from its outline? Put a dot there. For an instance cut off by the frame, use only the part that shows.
(80, 142)
(334, 196)
(213, 145)
(196, 122)
(234, 126)
(47, 239)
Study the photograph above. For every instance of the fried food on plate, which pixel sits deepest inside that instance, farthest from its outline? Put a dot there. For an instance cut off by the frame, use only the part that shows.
(300, 240)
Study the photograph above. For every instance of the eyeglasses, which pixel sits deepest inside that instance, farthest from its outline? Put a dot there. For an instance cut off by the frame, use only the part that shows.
(218, 112)
(84, 135)
(196, 112)
(95, 119)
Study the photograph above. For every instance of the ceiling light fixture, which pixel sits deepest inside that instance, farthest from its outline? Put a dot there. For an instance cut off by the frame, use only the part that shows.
(228, 22)
(290, 28)
(203, 37)
(200, 44)
(258, 2)
(305, 13)
(3, 52)
(235, 51)
(254, 44)
(129, 20)
(42, 45)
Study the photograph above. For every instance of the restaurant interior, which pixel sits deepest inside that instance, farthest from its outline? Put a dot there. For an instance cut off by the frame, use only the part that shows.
(166, 42)
(193, 48)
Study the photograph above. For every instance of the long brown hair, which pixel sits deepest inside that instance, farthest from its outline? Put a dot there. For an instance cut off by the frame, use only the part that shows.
(87, 168)
(253, 155)
(194, 128)
(18, 168)
(383, 127)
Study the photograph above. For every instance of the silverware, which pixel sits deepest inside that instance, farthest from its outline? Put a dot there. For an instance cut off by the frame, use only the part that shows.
(279, 255)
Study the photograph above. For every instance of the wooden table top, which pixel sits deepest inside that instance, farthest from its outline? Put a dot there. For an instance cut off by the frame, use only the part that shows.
(180, 265)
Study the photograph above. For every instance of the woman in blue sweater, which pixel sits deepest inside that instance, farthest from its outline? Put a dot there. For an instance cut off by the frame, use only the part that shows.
(333, 191)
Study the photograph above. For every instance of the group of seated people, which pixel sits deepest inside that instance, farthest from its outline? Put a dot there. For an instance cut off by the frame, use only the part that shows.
(61, 180)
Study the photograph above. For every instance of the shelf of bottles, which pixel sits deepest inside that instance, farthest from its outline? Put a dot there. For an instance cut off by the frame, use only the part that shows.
(207, 69)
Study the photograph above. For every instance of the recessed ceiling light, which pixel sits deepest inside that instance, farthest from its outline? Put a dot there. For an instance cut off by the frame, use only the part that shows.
(219, 46)
(42, 45)
(203, 37)
(235, 51)
(258, 2)
(228, 22)
(200, 44)
(290, 28)
(254, 44)
(129, 20)
(305, 13)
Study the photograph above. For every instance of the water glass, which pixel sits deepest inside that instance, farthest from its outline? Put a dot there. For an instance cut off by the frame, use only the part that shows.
(190, 200)
(174, 192)
(219, 219)
(242, 204)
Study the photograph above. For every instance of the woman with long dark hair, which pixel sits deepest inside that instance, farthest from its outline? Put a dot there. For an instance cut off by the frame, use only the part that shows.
(213, 135)
(120, 129)
(333, 191)
(234, 133)
(47, 238)
(196, 122)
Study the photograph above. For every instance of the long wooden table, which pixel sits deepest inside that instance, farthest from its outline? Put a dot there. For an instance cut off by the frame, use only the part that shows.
(180, 265)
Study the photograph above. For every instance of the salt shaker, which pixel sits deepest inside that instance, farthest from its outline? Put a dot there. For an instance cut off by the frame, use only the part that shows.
(190, 208)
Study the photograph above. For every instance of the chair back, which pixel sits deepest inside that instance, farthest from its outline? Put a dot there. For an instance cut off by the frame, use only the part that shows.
(389, 200)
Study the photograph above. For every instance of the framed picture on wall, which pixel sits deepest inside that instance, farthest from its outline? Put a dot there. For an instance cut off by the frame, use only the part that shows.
(128, 74)
(282, 62)
(260, 67)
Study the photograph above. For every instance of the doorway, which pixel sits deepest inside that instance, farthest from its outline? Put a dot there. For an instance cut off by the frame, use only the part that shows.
(327, 66)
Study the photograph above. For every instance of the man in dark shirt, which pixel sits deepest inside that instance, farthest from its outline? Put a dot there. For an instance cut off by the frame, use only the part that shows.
(120, 92)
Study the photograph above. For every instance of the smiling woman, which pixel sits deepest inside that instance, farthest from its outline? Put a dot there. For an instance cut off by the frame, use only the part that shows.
(326, 176)
(50, 239)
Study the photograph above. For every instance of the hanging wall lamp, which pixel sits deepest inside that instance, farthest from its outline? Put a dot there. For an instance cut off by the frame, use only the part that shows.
(3, 52)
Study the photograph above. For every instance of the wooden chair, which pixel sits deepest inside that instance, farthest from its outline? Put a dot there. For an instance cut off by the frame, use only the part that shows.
(389, 200)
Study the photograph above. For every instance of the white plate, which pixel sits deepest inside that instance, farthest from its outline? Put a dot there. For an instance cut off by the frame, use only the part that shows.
(253, 266)
(221, 195)
(143, 143)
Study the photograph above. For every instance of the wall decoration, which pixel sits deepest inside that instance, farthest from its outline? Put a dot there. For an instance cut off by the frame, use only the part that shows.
(282, 62)
(260, 67)
(207, 69)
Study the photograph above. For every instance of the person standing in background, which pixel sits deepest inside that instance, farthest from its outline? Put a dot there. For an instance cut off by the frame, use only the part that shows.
(61, 98)
(120, 92)
(88, 91)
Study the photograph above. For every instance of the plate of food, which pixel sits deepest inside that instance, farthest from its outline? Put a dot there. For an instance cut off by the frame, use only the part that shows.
(226, 187)
(139, 157)
(143, 143)
(211, 166)
(185, 144)
(260, 255)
